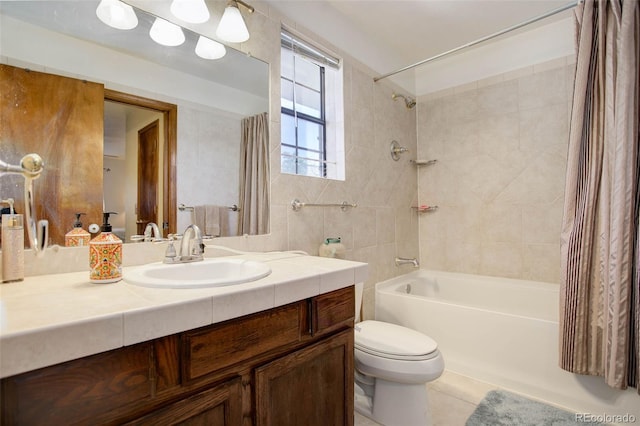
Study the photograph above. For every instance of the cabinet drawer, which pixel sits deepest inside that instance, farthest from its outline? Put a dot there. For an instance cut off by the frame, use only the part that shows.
(223, 345)
(333, 310)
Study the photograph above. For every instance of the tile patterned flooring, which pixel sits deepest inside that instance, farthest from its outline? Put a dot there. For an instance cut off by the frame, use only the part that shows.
(452, 399)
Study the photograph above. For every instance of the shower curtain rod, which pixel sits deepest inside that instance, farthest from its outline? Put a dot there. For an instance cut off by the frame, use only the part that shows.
(481, 40)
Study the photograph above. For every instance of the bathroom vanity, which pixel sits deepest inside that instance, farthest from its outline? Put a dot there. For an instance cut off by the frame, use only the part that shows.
(281, 353)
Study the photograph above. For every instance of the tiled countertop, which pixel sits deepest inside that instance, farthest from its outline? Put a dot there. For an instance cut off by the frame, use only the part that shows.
(49, 319)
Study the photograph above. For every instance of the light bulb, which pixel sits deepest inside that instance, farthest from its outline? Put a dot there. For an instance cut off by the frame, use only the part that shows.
(209, 49)
(117, 14)
(165, 33)
(232, 27)
(193, 11)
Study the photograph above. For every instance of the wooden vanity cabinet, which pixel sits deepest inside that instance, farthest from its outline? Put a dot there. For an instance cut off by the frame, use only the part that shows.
(289, 365)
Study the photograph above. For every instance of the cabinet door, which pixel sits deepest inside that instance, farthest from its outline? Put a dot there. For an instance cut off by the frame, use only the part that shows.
(218, 406)
(85, 391)
(312, 386)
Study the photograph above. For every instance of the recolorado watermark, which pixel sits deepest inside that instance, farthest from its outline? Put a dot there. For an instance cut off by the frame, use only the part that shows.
(605, 418)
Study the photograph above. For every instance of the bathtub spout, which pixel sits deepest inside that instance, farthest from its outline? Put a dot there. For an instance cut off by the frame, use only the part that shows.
(404, 261)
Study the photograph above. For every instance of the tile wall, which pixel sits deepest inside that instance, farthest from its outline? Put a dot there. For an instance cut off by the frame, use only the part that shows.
(383, 225)
(499, 181)
(219, 129)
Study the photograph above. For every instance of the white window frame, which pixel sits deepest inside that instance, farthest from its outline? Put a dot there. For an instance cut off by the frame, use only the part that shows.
(332, 100)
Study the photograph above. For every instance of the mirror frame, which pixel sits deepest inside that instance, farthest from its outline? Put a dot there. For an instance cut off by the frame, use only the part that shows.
(170, 112)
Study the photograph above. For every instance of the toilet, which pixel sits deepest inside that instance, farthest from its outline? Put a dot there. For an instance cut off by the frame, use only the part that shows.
(392, 366)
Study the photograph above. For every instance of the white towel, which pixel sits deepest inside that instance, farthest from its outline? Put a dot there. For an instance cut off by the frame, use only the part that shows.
(225, 226)
(198, 217)
(212, 220)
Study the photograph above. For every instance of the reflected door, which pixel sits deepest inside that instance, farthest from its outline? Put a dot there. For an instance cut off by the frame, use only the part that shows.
(147, 176)
(61, 119)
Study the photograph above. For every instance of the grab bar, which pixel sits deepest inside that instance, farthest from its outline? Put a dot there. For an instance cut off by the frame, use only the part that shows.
(297, 205)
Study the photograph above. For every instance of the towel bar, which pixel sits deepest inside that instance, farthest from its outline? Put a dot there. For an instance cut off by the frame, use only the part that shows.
(297, 205)
(184, 208)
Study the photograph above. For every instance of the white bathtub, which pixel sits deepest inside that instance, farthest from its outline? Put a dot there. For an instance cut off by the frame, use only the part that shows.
(497, 330)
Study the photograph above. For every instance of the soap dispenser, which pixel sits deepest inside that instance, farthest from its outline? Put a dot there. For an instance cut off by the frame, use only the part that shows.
(332, 247)
(105, 255)
(77, 236)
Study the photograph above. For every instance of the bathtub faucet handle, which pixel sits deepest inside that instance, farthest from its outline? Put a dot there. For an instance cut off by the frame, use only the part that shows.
(404, 261)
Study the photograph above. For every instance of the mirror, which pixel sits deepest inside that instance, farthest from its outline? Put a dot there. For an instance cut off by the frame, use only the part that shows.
(212, 98)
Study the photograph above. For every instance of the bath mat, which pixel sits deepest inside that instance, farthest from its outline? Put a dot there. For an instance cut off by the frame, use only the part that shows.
(500, 408)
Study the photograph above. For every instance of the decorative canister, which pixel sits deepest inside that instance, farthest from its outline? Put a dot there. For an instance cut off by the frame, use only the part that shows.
(105, 255)
(12, 247)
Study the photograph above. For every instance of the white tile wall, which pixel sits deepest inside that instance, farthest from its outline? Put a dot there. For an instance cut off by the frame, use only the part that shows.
(382, 226)
(499, 182)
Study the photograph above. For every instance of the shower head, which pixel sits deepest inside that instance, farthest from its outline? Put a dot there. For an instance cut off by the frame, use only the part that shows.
(409, 102)
(31, 165)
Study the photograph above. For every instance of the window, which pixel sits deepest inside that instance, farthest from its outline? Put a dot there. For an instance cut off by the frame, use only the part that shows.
(312, 141)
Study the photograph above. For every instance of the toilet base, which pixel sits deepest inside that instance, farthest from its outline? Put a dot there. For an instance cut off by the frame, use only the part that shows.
(395, 404)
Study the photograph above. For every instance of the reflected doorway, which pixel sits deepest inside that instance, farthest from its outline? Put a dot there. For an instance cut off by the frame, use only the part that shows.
(148, 168)
(139, 163)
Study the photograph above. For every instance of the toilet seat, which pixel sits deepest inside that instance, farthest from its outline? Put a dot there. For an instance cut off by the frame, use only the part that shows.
(393, 341)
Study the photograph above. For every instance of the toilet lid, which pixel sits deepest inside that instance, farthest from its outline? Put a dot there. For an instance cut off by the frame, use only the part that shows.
(391, 339)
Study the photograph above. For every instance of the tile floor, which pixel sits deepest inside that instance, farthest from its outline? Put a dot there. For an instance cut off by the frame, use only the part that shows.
(452, 399)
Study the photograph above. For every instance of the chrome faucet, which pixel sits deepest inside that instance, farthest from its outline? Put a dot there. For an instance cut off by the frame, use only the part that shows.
(191, 247)
(405, 261)
(152, 232)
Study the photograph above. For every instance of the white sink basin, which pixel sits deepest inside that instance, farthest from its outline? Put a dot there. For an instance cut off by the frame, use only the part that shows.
(207, 273)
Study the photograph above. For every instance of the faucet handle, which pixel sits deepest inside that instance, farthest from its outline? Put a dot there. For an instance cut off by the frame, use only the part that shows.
(170, 254)
(198, 247)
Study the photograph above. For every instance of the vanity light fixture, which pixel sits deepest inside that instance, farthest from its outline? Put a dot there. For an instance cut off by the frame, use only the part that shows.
(166, 33)
(209, 49)
(117, 14)
(193, 11)
(232, 27)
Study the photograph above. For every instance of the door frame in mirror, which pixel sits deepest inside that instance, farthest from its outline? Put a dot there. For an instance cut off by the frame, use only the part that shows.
(170, 112)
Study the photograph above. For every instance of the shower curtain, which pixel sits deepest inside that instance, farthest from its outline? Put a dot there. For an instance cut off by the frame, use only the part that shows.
(600, 314)
(254, 176)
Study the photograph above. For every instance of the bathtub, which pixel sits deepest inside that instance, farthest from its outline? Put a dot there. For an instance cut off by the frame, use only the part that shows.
(497, 330)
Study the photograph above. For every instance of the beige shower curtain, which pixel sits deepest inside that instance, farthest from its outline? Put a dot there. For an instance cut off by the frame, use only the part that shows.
(254, 176)
(600, 315)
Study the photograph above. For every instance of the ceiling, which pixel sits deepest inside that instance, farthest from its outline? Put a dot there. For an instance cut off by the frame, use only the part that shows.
(387, 35)
(78, 19)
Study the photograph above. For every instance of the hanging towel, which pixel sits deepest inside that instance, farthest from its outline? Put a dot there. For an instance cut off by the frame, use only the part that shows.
(212, 220)
(198, 217)
(207, 218)
(228, 222)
